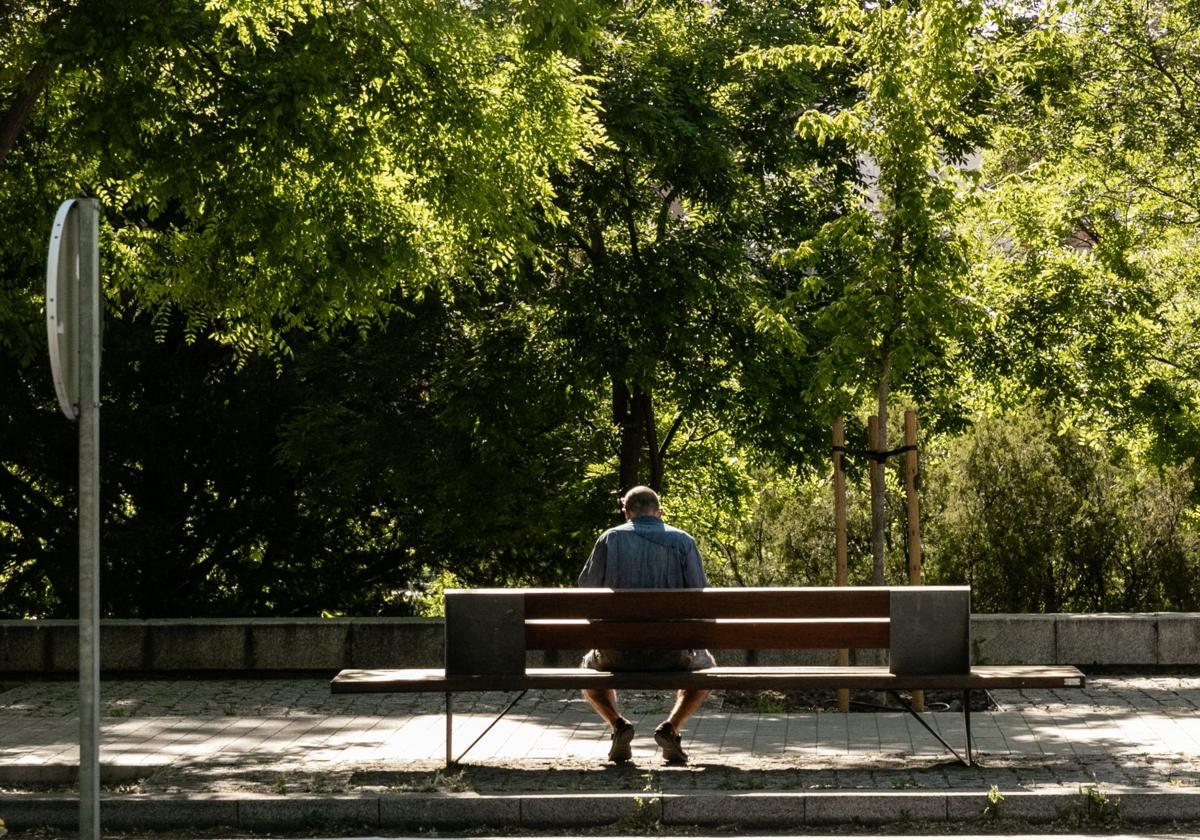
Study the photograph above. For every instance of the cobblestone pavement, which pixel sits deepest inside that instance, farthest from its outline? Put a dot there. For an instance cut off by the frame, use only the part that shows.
(293, 735)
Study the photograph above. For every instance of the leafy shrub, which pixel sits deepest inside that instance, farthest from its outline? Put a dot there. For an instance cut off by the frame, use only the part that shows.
(1039, 520)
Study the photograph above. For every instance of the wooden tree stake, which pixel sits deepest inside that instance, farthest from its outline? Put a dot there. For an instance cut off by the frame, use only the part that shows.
(839, 519)
(878, 514)
(913, 503)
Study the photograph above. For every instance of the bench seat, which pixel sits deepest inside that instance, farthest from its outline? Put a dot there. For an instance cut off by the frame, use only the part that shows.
(924, 630)
(784, 677)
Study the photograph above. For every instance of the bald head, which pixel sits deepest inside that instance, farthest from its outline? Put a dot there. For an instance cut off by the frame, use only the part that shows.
(641, 501)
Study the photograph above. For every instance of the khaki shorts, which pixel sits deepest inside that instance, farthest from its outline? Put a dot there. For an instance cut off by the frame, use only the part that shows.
(648, 660)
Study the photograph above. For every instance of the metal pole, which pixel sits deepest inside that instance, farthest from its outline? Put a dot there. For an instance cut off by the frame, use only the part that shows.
(449, 730)
(89, 521)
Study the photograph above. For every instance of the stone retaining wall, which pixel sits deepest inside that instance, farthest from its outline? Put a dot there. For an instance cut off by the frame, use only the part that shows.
(200, 645)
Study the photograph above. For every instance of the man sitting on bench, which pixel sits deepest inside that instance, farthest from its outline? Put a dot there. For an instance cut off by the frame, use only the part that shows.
(645, 553)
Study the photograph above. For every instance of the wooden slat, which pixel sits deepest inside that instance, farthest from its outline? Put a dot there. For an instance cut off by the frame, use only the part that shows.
(776, 634)
(631, 604)
(868, 677)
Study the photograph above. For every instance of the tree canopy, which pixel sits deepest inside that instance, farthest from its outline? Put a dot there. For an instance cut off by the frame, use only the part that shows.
(403, 292)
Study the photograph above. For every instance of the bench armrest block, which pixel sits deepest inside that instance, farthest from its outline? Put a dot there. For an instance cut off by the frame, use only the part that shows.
(930, 630)
(485, 633)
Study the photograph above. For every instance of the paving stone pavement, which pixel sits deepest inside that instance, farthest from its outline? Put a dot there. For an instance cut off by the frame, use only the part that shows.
(274, 736)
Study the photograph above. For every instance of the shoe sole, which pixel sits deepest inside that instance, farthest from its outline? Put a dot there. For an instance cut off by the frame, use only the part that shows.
(621, 751)
(672, 752)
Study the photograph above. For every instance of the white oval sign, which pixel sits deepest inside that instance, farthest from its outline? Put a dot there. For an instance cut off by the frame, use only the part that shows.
(62, 306)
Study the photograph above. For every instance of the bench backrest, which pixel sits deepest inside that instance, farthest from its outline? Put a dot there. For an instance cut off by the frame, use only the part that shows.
(926, 629)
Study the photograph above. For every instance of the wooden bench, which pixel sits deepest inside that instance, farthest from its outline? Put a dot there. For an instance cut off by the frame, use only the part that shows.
(926, 631)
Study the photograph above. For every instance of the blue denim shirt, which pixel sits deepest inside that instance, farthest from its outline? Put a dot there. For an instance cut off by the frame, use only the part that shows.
(644, 553)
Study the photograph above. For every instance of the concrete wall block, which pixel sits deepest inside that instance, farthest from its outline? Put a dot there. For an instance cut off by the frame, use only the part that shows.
(123, 645)
(1107, 639)
(448, 811)
(51, 646)
(396, 643)
(1013, 639)
(1156, 806)
(289, 813)
(141, 813)
(23, 646)
(198, 645)
(61, 646)
(589, 809)
(288, 644)
(871, 808)
(23, 812)
(1178, 638)
(744, 810)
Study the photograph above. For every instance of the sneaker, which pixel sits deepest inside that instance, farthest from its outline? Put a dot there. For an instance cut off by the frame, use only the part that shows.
(622, 739)
(670, 741)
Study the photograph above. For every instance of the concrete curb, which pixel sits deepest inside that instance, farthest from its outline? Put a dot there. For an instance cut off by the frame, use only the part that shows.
(748, 810)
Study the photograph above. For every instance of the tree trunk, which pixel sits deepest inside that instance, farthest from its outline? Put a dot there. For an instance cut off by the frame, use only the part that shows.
(19, 109)
(653, 450)
(633, 413)
(626, 411)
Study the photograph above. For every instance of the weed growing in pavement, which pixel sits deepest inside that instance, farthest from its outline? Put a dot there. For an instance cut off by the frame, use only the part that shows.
(903, 783)
(230, 711)
(280, 784)
(991, 808)
(454, 782)
(644, 817)
(1098, 807)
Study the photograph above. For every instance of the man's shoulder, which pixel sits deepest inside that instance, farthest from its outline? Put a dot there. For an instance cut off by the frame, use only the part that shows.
(673, 533)
(679, 533)
(617, 529)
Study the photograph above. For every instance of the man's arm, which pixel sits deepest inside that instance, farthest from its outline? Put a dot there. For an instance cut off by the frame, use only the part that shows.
(693, 569)
(596, 565)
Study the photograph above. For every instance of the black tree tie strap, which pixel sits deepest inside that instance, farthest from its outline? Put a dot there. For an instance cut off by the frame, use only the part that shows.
(875, 454)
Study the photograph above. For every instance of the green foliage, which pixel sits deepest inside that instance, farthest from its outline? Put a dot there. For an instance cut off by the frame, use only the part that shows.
(1042, 520)
(1084, 250)
(401, 294)
(273, 167)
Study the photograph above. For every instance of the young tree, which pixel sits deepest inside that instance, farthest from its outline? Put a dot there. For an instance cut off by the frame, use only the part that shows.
(885, 280)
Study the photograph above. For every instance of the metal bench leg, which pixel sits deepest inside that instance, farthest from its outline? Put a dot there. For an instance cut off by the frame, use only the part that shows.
(967, 721)
(450, 761)
(449, 730)
(908, 708)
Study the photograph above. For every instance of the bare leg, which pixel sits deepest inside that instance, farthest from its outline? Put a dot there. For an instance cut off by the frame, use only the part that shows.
(604, 701)
(687, 702)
